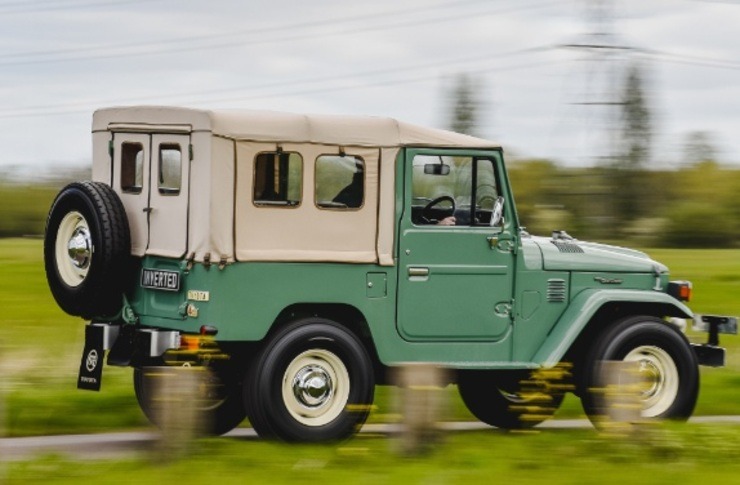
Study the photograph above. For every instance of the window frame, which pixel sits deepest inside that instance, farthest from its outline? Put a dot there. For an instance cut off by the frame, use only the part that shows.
(168, 191)
(132, 189)
(475, 159)
(364, 183)
(277, 204)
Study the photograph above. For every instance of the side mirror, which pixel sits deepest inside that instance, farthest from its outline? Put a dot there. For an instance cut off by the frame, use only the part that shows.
(497, 214)
(436, 169)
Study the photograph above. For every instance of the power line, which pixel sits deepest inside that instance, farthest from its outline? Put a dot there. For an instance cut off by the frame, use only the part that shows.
(359, 76)
(48, 6)
(693, 60)
(251, 32)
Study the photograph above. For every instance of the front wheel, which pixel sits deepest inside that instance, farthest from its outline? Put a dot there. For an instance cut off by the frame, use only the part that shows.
(313, 381)
(667, 365)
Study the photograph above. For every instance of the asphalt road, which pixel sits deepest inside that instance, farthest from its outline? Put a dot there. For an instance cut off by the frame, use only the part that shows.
(112, 445)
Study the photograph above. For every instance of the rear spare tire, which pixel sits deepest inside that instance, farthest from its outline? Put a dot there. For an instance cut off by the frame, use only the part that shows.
(87, 247)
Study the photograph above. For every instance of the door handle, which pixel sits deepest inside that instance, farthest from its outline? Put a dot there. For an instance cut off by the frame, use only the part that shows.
(416, 271)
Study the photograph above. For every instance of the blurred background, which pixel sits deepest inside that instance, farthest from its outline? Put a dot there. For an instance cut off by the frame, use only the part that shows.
(617, 117)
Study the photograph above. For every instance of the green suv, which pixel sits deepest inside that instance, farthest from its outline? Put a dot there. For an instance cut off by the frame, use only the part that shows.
(299, 257)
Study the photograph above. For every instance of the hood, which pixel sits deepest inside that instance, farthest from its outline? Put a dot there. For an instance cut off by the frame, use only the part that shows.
(574, 255)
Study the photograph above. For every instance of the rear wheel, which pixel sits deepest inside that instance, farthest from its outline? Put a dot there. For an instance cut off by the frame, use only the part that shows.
(313, 381)
(220, 405)
(666, 363)
(87, 246)
(511, 400)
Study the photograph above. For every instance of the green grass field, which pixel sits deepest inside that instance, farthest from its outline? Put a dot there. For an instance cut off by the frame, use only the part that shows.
(39, 355)
(657, 455)
(40, 349)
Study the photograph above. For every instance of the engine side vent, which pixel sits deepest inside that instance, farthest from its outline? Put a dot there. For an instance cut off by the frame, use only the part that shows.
(557, 290)
(567, 247)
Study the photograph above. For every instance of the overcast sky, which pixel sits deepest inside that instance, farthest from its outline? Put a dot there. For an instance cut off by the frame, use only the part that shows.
(62, 59)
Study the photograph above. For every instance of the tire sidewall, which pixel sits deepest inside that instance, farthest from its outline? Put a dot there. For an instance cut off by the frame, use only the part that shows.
(483, 394)
(633, 332)
(271, 368)
(109, 274)
(73, 199)
(218, 419)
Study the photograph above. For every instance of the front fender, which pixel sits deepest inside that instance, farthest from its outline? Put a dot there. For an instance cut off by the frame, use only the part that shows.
(585, 305)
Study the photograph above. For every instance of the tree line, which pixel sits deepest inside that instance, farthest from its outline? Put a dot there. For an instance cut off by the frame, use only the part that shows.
(696, 206)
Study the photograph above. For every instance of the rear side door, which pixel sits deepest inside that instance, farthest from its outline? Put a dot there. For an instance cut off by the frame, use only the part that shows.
(168, 195)
(151, 174)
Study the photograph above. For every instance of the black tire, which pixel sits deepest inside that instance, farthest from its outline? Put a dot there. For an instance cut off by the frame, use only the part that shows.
(312, 381)
(91, 215)
(670, 367)
(223, 406)
(508, 400)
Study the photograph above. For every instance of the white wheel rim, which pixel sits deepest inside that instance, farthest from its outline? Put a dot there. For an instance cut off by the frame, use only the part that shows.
(316, 387)
(73, 249)
(661, 377)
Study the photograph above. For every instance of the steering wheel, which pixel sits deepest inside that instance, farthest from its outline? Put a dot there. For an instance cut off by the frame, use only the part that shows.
(425, 212)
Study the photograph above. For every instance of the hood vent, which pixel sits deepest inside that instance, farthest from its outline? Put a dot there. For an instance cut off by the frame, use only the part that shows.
(556, 290)
(567, 247)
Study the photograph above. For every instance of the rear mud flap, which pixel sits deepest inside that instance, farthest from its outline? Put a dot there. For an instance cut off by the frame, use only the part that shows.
(90, 375)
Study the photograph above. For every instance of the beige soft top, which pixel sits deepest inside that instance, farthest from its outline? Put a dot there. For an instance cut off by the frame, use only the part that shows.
(211, 223)
(270, 126)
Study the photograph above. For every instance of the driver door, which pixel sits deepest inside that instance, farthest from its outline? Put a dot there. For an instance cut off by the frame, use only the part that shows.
(455, 282)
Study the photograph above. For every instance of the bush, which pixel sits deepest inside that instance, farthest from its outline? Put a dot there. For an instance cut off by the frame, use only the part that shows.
(701, 225)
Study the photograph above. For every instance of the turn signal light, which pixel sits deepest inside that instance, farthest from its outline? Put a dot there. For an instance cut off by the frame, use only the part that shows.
(190, 342)
(680, 290)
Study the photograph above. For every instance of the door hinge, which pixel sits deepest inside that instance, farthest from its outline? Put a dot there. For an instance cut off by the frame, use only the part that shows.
(190, 151)
(110, 148)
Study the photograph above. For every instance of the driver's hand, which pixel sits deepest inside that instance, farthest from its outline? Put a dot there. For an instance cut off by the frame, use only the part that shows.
(447, 221)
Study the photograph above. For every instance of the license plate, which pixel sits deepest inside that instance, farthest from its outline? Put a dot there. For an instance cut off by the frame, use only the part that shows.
(160, 279)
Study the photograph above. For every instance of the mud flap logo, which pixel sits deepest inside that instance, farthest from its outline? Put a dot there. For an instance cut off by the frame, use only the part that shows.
(92, 360)
(91, 368)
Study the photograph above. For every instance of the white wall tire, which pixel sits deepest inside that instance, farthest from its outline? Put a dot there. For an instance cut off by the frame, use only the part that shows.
(87, 250)
(312, 381)
(666, 362)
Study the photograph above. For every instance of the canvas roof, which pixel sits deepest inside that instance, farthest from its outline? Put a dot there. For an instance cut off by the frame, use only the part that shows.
(270, 126)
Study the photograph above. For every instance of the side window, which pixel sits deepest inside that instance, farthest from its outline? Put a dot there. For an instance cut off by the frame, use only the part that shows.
(170, 169)
(278, 179)
(132, 167)
(453, 191)
(340, 182)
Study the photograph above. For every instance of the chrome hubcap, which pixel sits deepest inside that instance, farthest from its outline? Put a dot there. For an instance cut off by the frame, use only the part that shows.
(652, 379)
(660, 378)
(79, 248)
(312, 386)
(73, 249)
(315, 387)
